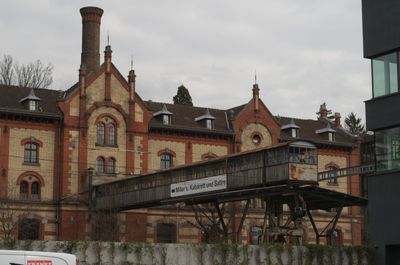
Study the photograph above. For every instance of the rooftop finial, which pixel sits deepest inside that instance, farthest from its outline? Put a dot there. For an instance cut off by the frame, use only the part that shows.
(255, 76)
(108, 38)
(131, 61)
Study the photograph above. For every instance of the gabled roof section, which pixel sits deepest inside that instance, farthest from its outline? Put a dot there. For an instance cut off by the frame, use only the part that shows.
(327, 129)
(31, 96)
(184, 116)
(291, 125)
(163, 111)
(205, 116)
(10, 100)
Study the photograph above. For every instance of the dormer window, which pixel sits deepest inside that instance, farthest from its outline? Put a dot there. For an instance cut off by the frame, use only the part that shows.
(292, 128)
(33, 105)
(210, 124)
(328, 132)
(166, 119)
(206, 119)
(31, 102)
(331, 137)
(164, 114)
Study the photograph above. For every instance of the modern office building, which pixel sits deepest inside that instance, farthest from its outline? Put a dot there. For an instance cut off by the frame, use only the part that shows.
(381, 24)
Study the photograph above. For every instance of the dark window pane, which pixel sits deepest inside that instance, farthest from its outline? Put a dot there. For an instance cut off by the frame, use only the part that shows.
(31, 153)
(166, 233)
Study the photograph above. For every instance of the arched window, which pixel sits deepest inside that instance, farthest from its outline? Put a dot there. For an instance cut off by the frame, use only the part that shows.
(31, 153)
(23, 190)
(111, 134)
(29, 188)
(100, 133)
(111, 166)
(35, 190)
(100, 165)
(165, 160)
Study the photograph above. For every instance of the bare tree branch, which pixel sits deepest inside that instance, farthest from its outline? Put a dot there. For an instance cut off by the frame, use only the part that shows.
(7, 74)
(34, 74)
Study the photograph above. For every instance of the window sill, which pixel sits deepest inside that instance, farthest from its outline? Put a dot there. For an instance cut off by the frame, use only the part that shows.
(104, 174)
(107, 145)
(37, 164)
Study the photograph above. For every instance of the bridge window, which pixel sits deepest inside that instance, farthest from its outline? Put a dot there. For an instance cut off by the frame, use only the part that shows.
(302, 155)
(31, 153)
(28, 229)
(166, 233)
(166, 161)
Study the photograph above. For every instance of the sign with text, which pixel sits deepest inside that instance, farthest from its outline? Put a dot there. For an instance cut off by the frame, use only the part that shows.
(198, 186)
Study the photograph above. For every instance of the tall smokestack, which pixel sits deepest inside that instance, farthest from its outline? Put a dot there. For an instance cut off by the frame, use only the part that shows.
(91, 18)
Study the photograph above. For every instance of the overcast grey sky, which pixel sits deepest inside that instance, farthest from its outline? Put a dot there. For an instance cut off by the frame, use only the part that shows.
(305, 52)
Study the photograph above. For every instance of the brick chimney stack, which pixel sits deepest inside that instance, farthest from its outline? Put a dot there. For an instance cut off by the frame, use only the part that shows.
(91, 18)
(323, 112)
(337, 119)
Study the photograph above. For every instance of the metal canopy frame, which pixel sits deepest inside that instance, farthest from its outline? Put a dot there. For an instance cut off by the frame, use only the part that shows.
(301, 198)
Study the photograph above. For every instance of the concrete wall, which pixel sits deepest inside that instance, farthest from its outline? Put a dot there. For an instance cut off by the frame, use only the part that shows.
(200, 254)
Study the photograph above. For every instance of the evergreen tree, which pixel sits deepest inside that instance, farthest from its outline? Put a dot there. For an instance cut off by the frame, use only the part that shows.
(183, 97)
(353, 124)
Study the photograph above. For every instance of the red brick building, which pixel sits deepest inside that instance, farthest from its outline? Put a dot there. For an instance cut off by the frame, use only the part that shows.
(49, 139)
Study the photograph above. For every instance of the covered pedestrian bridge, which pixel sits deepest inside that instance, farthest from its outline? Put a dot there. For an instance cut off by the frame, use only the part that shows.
(281, 174)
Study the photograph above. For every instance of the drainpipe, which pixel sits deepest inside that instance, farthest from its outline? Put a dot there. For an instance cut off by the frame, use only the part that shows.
(59, 164)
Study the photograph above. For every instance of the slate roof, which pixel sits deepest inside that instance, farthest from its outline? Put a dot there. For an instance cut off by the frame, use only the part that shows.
(11, 96)
(183, 118)
(308, 130)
